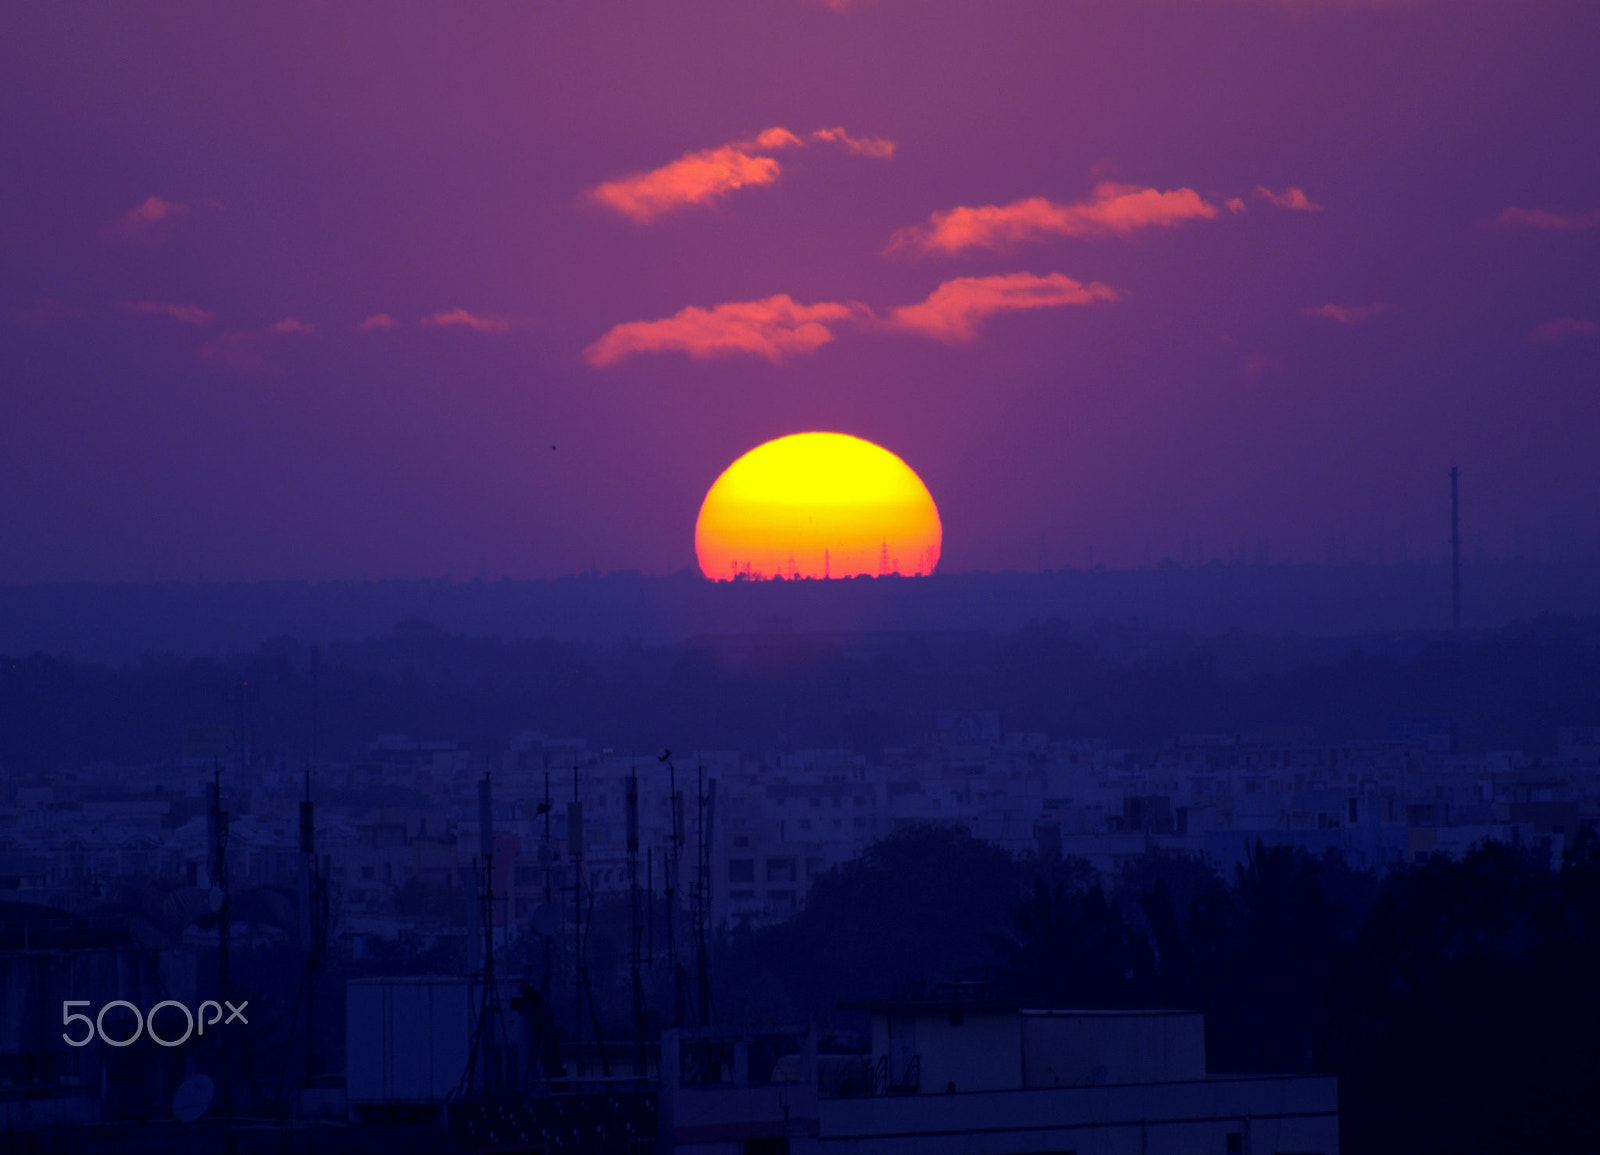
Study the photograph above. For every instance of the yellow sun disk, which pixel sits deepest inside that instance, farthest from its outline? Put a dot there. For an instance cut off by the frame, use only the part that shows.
(815, 505)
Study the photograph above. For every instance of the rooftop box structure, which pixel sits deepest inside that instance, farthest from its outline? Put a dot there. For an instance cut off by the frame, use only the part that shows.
(976, 1078)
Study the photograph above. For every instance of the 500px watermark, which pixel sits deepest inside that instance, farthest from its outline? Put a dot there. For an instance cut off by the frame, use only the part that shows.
(195, 1022)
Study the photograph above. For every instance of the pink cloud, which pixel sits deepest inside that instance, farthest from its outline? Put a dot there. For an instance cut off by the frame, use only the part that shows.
(953, 311)
(1546, 220)
(871, 146)
(1234, 205)
(1564, 329)
(240, 350)
(774, 328)
(377, 323)
(184, 314)
(148, 223)
(704, 177)
(153, 211)
(1349, 314)
(481, 323)
(1290, 198)
(1115, 209)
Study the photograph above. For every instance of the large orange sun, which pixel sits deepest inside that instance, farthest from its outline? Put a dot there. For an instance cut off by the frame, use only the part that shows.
(817, 505)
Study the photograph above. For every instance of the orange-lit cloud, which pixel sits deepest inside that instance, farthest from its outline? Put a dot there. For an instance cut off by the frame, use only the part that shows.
(1115, 209)
(1546, 220)
(700, 178)
(1565, 329)
(481, 323)
(290, 325)
(1349, 314)
(185, 314)
(377, 323)
(1290, 198)
(773, 327)
(1234, 205)
(954, 310)
(770, 138)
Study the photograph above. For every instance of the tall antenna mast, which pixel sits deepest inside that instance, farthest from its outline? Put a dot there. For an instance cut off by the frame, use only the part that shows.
(1455, 549)
(217, 844)
(548, 858)
(484, 1046)
(707, 801)
(636, 923)
(313, 888)
(575, 853)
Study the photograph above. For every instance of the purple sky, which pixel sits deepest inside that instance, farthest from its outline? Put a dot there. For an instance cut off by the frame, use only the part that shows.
(335, 291)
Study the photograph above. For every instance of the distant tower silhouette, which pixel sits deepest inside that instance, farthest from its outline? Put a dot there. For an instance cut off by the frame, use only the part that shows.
(1455, 549)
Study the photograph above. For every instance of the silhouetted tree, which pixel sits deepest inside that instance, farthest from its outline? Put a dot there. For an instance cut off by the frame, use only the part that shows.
(1469, 1013)
(1070, 948)
(910, 912)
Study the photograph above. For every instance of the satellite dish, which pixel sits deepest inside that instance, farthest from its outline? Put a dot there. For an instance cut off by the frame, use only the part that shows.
(547, 920)
(193, 1098)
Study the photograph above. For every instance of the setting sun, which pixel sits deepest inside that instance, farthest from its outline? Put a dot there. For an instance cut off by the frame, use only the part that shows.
(817, 505)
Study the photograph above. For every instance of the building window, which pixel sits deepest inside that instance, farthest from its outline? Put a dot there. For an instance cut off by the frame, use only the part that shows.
(780, 870)
(741, 870)
(1235, 1142)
